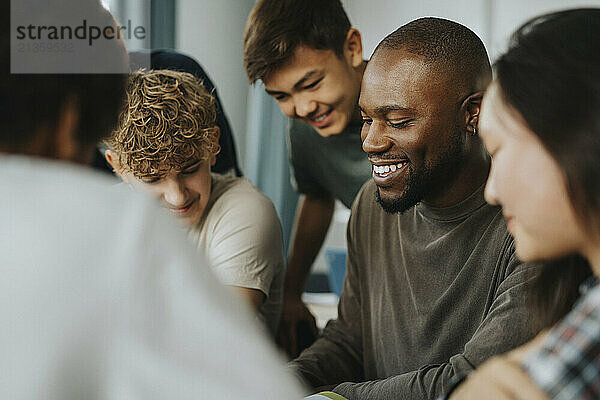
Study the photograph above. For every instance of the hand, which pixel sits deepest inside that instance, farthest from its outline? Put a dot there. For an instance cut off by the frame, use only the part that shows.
(294, 314)
(518, 354)
(499, 378)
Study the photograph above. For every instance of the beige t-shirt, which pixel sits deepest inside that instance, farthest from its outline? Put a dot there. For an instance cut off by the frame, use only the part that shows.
(240, 234)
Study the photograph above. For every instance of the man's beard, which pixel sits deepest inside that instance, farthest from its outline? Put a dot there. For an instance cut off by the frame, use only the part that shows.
(434, 178)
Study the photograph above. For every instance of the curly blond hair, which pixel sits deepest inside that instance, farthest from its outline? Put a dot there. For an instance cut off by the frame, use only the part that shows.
(167, 121)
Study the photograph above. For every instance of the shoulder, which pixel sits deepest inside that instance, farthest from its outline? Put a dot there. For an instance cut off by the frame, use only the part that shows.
(50, 185)
(566, 348)
(238, 202)
(94, 215)
(238, 193)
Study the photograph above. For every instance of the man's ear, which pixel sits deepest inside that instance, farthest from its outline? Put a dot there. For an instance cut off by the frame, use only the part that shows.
(216, 136)
(471, 108)
(353, 48)
(111, 158)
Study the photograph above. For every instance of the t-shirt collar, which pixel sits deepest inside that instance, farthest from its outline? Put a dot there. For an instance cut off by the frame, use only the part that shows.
(457, 211)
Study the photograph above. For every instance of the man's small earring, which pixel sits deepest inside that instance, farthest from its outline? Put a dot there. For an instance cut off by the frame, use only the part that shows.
(474, 133)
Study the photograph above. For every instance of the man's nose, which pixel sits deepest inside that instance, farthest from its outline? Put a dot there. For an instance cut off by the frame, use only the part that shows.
(175, 194)
(305, 106)
(374, 141)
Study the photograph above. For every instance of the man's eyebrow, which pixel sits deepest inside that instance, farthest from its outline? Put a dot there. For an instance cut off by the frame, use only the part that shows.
(306, 77)
(297, 85)
(382, 110)
(273, 92)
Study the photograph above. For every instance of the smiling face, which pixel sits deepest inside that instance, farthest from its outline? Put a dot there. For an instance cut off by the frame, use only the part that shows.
(528, 183)
(412, 129)
(183, 192)
(319, 88)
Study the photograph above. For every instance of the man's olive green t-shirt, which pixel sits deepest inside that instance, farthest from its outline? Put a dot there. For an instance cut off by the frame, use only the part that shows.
(429, 294)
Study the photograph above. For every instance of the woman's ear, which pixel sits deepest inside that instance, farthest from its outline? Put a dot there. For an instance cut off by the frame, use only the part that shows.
(216, 136)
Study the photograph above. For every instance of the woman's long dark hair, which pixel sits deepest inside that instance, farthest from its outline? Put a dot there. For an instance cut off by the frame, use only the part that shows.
(551, 76)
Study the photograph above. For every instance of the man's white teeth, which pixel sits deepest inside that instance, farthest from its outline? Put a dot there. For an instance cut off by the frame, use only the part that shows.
(386, 169)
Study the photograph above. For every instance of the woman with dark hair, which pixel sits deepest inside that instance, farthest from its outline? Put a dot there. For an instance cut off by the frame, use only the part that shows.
(540, 122)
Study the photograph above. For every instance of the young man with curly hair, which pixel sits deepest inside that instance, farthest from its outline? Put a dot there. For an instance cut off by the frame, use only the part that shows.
(165, 143)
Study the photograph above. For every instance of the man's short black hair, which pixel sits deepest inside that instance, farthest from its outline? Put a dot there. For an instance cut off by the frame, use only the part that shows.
(447, 44)
(34, 102)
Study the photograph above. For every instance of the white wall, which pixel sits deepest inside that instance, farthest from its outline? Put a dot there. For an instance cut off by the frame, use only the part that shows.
(510, 14)
(211, 32)
(377, 18)
(492, 20)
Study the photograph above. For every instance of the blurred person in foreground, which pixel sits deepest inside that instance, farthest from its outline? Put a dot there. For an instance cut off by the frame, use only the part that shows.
(165, 143)
(541, 125)
(102, 296)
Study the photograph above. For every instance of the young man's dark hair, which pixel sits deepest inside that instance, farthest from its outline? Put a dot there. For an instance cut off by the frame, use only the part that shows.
(34, 103)
(276, 27)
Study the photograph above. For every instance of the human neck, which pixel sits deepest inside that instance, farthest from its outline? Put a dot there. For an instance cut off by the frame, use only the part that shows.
(471, 176)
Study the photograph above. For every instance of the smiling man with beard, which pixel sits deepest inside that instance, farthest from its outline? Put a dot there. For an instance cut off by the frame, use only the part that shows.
(433, 287)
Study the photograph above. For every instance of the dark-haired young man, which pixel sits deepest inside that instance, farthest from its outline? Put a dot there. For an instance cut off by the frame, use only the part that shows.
(310, 60)
(433, 287)
(102, 296)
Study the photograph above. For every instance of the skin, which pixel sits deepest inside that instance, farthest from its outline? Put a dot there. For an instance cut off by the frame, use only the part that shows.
(316, 83)
(311, 84)
(540, 218)
(185, 193)
(420, 117)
